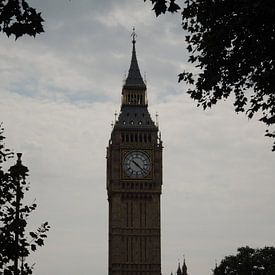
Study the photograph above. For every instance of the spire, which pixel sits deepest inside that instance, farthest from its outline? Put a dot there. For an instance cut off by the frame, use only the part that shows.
(134, 78)
(184, 268)
(179, 270)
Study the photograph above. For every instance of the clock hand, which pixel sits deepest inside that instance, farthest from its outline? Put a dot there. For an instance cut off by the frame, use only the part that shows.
(138, 165)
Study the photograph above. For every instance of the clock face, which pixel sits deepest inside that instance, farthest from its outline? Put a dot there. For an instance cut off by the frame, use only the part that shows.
(137, 164)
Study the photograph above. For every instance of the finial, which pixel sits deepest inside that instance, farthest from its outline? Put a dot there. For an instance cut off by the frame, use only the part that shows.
(124, 77)
(19, 155)
(179, 269)
(134, 35)
(115, 115)
(157, 119)
(144, 78)
(112, 124)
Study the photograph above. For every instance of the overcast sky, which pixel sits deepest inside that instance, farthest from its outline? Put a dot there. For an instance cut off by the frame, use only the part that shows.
(59, 93)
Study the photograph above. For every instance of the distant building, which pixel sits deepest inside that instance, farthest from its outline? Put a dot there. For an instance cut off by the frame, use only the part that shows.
(181, 270)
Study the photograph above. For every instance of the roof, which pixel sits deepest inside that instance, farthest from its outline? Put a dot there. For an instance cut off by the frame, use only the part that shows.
(132, 117)
(134, 78)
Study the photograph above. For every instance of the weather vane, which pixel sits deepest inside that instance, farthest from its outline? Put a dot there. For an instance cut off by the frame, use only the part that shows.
(134, 35)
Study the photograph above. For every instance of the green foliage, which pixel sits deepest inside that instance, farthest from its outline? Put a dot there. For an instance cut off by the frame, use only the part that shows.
(232, 43)
(248, 261)
(161, 6)
(9, 224)
(18, 18)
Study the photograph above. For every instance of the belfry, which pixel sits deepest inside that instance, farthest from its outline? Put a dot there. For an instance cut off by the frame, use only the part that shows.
(134, 181)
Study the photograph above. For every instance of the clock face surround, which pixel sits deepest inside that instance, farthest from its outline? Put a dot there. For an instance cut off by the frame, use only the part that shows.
(137, 164)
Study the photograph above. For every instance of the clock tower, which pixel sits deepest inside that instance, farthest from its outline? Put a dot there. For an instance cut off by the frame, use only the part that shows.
(134, 180)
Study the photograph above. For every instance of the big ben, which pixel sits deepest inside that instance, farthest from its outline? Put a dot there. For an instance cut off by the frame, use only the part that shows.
(134, 181)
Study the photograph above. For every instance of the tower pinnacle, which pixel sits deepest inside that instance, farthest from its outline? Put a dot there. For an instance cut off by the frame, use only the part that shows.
(134, 78)
(134, 112)
(184, 268)
(134, 35)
